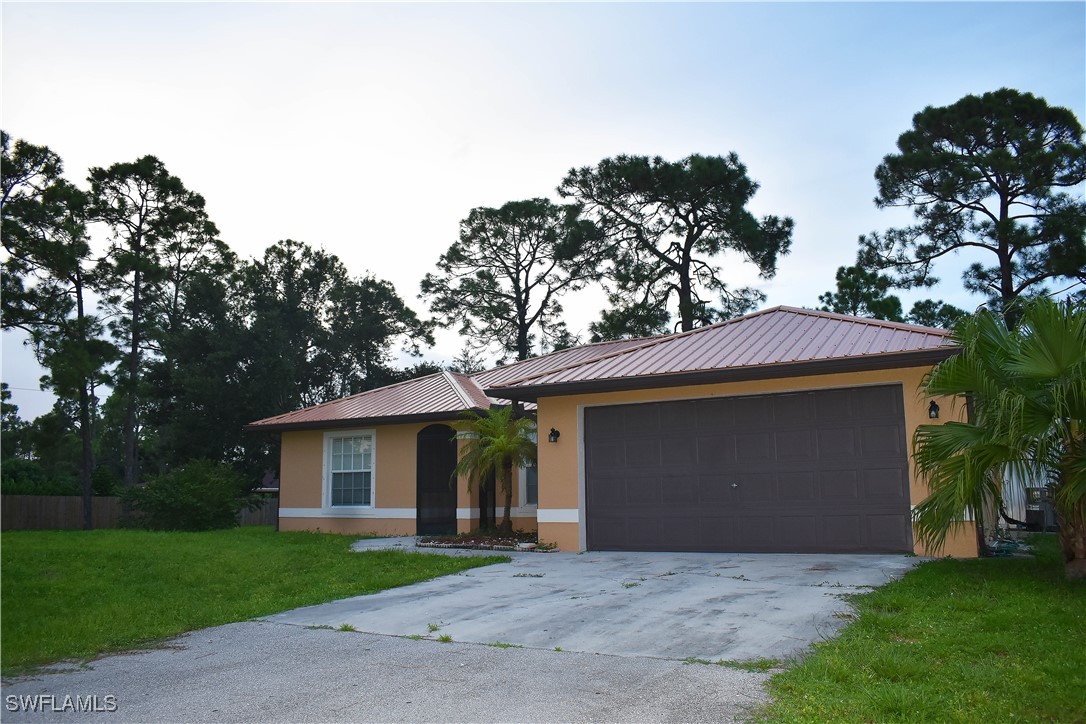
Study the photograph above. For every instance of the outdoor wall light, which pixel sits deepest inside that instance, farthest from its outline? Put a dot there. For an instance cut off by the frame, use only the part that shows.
(554, 435)
(933, 410)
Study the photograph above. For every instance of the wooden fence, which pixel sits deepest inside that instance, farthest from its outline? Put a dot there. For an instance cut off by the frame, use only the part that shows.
(266, 514)
(65, 512)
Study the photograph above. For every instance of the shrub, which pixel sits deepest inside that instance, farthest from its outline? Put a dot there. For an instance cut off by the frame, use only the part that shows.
(202, 495)
(26, 477)
(105, 481)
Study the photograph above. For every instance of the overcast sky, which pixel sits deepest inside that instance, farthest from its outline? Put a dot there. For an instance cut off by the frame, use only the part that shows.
(371, 130)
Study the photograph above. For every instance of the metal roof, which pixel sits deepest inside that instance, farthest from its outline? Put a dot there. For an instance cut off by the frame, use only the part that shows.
(442, 395)
(775, 342)
(554, 360)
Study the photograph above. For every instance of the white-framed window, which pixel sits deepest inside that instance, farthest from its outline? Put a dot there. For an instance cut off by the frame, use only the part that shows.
(348, 469)
(528, 479)
(531, 485)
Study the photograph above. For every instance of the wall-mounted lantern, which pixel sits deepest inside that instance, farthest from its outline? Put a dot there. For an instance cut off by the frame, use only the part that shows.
(933, 410)
(554, 435)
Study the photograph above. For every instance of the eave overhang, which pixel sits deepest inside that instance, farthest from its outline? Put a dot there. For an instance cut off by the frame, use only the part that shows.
(912, 358)
(441, 416)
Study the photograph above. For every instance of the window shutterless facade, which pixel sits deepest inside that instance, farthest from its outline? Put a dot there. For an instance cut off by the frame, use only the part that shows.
(348, 469)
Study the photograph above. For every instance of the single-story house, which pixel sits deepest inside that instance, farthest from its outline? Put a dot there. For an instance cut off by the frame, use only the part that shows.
(785, 430)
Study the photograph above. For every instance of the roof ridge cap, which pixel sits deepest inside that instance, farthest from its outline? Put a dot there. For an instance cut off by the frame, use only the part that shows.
(456, 387)
(514, 363)
(870, 321)
(649, 342)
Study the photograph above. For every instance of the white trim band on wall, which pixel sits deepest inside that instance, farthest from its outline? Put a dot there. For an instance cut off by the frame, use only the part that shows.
(558, 515)
(393, 513)
(381, 513)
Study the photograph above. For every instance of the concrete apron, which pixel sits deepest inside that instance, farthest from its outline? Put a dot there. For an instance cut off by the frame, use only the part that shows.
(667, 605)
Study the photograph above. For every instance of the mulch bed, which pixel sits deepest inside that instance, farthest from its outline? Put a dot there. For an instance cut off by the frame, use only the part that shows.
(516, 541)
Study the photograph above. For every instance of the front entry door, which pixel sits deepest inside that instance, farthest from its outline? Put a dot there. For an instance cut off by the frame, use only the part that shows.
(435, 494)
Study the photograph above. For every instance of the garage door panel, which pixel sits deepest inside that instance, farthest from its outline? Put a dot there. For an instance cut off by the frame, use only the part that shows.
(646, 420)
(608, 533)
(679, 416)
(796, 445)
(756, 488)
(884, 532)
(834, 406)
(717, 412)
(678, 451)
(824, 470)
(643, 492)
(842, 532)
(716, 450)
(680, 490)
(610, 420)
(757, 532)
(754, 447)
(886, 484)
(607, 455)
(839, 485)
(642, 453)
(794, 409)
(606, 491)
(717, 533)
(715, 489)
(882, 440)
(796, 487)
(798, 532)
(837, 442)
(681, 533)
(753, 411)
(879, 402)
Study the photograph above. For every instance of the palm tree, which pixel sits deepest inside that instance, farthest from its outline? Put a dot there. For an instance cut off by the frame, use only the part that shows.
(1026, 388)
(497, 443)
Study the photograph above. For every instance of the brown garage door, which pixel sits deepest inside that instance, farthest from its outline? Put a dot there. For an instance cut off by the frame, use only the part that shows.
(798, 472)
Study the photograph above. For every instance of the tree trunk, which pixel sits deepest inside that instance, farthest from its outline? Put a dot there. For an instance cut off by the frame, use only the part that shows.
(507, 491)
(1073, 540)
(686, 288)
(87, 465)
(131, 460)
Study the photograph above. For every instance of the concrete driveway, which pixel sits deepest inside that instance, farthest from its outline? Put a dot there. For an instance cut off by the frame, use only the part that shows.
(262, 672)
(665, 605)
(648, 610)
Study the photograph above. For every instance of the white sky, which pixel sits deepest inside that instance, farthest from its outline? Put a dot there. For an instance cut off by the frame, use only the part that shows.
(371, 130)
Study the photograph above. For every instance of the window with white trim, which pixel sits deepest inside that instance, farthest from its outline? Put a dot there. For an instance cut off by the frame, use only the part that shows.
(528, 479)
(350, 470)
(531, 484)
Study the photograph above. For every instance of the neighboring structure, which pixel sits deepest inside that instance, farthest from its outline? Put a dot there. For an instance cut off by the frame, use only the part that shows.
(783, 430)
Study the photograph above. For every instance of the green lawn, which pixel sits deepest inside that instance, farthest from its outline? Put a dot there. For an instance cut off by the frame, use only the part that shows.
(978, 641)
(76, 594)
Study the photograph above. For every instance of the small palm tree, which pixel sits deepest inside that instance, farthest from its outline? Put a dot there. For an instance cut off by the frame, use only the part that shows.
(1027, 390)
(497, 443)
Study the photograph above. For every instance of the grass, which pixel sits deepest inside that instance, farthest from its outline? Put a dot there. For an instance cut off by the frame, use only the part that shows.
(752, 665)
(504, 645)
(969, 641)
(76, 594)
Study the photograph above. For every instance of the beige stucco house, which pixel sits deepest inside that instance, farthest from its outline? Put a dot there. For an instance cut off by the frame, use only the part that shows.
(786, 430)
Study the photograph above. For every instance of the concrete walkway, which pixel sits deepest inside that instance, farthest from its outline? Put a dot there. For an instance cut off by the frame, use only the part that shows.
(666, 605)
